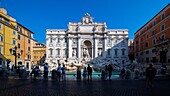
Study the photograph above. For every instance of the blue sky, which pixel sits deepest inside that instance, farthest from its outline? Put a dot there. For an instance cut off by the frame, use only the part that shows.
(39, 15)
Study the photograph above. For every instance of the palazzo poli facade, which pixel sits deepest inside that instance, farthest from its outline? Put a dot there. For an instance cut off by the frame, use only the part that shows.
(86, 42)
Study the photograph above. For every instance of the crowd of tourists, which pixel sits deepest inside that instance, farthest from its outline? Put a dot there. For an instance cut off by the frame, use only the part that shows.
(106, 73)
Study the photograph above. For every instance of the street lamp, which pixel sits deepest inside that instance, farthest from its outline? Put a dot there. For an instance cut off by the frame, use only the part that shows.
(13, 51)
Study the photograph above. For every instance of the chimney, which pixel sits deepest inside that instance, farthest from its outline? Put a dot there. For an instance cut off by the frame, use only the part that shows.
(3, 11)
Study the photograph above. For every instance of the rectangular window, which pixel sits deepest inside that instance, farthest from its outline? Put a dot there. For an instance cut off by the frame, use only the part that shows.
(29, 49)
(147, 28)
(123, 52)
(13, 41)
(163, 16)
(1, 38)
(51, 40)
(146, 44)
(19, 37)
(19, 29)
(13, 32)
(64, 52)
(58, 52)
(0, 26)
(162, 27)
(18, 46)
(154, 22)
(0, 49)
(58, 40)
(154, 31)
(51, 51)
(115, 52)
(19, 56)
(29, 34)
(28, 41)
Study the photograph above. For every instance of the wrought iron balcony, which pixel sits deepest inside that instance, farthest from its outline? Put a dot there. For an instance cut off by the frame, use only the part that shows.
(162, 42)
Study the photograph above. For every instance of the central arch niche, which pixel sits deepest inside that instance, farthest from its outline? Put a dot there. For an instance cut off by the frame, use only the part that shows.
(87, 49)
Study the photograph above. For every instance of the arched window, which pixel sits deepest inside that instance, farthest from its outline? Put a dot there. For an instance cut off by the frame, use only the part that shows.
(58, 51)
(116, 51)
(51, 51)
(123, 51)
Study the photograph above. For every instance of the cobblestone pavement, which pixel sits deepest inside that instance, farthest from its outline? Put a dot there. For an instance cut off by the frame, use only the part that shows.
(29, 87)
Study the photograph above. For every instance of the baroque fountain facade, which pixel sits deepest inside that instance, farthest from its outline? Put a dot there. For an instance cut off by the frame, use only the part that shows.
(86, 42)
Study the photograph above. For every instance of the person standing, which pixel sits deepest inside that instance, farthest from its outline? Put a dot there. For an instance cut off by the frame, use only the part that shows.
(84, 73)
(46, 71)
(36, 72)
(106, 72)
(59, 72)
(150, 74)
(110, 69)
(63, 72)
(89, 69)
(122, 74)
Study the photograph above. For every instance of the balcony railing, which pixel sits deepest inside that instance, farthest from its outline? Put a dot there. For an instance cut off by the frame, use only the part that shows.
(58, 56)
(50, 56)
(51, 45)
(58, 45)
(162, 42)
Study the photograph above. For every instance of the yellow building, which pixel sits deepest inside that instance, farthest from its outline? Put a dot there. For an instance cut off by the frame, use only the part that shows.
(15, 39)
(39, 51)
(8, 38)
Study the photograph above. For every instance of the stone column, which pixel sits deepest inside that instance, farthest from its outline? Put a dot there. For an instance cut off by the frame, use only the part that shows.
(61, 48)
(104, 46)
(95, 48)
(105, 43)
(79, 48)
(69, 47)
(92, 51)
